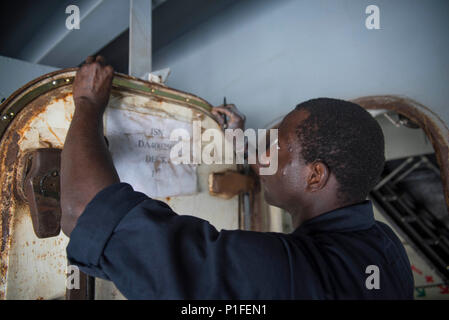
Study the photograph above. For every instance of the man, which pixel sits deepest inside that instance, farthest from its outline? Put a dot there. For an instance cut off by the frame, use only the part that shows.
(331, 154)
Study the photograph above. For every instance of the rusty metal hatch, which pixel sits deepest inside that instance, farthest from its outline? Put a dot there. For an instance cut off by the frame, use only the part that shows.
(37, 116)
(426, 119)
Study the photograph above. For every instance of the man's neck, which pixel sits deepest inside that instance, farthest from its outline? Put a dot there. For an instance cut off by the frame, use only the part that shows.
(301, 214)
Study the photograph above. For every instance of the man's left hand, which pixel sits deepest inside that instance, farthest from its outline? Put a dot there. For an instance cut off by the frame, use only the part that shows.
(229, 117)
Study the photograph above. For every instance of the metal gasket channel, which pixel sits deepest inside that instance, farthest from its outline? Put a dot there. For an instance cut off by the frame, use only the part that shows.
(7, 115)
(131, 85)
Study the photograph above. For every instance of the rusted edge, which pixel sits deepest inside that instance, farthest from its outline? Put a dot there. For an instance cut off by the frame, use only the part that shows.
(192, 100)
(428, 121)
(20, 98)
(10, 159)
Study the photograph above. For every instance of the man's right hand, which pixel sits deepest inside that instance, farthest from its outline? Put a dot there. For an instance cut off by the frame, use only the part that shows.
(229, 117)
(93, 83)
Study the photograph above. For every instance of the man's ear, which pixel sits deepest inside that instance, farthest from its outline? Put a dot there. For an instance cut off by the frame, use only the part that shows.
(318, 176)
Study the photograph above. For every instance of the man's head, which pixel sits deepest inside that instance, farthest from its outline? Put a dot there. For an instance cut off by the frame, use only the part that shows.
(331, 155)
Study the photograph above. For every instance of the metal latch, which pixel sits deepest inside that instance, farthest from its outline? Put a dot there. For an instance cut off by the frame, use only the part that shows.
(40, 189)
(230, 183)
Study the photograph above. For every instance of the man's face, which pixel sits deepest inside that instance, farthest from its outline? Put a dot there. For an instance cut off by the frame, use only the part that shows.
(288, 184)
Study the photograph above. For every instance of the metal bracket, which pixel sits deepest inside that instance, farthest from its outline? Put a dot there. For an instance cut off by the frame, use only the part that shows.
(40, 189)
(140, 18)
(230, 183)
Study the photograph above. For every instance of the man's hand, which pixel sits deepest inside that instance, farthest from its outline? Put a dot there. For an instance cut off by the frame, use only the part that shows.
(92, 85)
(229, 117)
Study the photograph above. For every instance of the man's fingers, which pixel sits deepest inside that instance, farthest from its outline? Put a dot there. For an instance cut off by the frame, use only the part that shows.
(227, 106)
(89, 59)
(231, 109)
(100, 60)
(109, 69)
(218, 116)
(222, 110)
(236, 111)
(217, 113)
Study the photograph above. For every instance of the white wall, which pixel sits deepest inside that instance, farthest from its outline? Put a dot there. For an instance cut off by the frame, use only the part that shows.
(266, 56)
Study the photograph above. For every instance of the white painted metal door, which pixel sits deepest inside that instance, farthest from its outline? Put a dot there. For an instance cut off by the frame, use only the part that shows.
(38, 116)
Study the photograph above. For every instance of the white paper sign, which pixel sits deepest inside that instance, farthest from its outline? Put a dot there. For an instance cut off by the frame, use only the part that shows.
(140, 146)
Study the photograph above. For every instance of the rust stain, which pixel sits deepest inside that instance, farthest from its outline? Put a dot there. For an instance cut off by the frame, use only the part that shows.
(172, 166)
(53, 133)
(230, 183)
(10, 155)
(157, 99)
(46, 144)
(7, 170)
(157, 164)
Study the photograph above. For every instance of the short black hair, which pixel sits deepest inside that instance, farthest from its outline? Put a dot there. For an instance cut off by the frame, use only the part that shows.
(348, 140)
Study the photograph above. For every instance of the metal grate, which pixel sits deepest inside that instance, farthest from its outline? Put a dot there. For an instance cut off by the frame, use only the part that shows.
(410, 196)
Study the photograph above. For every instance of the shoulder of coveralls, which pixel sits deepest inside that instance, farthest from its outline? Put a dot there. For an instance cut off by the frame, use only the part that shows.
(398, 257)
(115, 201)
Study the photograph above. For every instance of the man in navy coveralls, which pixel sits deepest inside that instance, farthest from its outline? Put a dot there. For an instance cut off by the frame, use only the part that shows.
(331, 154)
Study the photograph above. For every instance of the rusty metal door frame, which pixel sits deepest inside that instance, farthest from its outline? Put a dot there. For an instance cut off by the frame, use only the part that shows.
(432, 125)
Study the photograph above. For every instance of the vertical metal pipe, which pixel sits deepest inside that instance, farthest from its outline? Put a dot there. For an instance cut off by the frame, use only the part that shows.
(140, 38)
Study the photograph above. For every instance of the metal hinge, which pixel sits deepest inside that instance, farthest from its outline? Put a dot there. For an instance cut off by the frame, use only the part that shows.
(230, 183)
(40, 189)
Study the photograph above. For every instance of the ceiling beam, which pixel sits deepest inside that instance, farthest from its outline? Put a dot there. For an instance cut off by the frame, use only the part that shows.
(101, 21)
